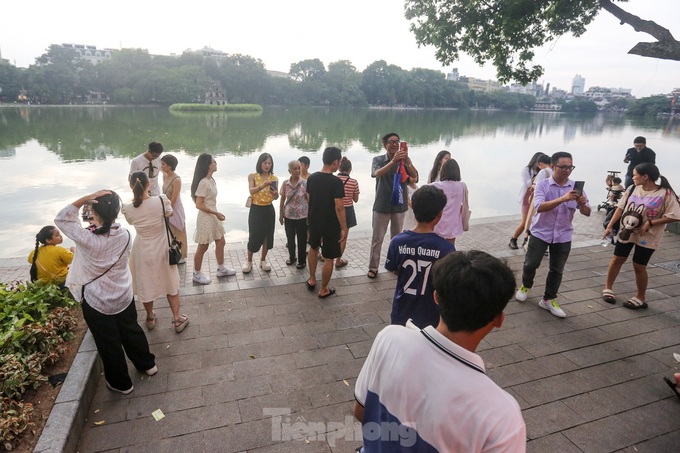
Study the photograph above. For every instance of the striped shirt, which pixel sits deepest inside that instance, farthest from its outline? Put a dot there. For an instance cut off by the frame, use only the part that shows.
(95, 253)
(351, 187)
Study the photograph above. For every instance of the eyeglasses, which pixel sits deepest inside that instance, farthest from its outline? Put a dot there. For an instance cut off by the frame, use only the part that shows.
(392, 142)
(565, 167)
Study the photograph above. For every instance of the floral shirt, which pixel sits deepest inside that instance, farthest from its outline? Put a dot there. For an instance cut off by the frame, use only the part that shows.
(296, 205)
(265, 196)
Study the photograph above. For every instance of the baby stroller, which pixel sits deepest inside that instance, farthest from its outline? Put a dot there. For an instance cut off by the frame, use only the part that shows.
(614, 192)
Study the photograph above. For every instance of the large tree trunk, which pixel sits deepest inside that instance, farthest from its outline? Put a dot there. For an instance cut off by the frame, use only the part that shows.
(665, 47)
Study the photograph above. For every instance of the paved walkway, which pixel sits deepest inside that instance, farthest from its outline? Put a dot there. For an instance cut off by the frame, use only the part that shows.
(265, 366)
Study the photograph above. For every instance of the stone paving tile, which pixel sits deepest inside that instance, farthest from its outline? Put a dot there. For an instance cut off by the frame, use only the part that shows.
(262, 342)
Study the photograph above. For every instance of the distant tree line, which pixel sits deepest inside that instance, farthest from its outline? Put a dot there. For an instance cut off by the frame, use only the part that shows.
(133, 76)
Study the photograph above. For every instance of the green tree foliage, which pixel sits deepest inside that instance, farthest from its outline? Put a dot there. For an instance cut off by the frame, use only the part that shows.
(579, 105)
(133, 76)
(652, 105)
(506, 32)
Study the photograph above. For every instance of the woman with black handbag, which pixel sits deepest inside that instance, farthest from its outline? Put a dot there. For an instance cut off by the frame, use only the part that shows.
(100, 279)
(152, 274)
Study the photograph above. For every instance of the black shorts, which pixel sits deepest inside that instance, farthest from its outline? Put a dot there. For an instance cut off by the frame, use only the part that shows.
(350, 216)
(329, 237)
(641, 255)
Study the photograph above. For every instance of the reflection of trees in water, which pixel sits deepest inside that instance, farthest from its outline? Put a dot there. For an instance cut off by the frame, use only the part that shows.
(90, 133)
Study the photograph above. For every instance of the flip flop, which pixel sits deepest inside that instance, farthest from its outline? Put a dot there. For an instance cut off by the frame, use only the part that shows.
(673, 386)
(340, 264)
(331, 291)
(310, 286)
(372, 274)
(608, 296)
(635, 304)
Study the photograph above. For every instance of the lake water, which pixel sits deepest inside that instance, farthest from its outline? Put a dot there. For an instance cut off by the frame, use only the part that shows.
(50, 156)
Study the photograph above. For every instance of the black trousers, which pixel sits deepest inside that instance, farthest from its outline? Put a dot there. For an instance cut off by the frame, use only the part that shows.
(115, 336)
(296, 228)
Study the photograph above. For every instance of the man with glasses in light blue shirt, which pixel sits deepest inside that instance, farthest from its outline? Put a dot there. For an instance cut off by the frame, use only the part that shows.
(555, 202)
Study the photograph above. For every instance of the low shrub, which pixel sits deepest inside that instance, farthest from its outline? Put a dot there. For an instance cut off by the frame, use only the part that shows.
(216, 108)
(35, 324)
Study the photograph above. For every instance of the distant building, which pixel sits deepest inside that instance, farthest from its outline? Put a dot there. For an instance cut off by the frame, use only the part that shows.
(578, 85)
(208, 52)
(547, 106)
(216, 95)
(88, 53)
(557, 93)
(599, 93)
(3, 60)
(453, 75)
(483, 85)
(533, 89)
(279, 74)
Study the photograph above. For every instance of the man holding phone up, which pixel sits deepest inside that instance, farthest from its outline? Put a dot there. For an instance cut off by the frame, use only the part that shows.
(556, 200)
(386, 210)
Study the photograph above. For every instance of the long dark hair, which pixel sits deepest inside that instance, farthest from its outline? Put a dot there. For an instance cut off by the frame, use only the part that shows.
(138, 181)
(201, 171)
(533, 163)
(107, 208)
(652, 171)
(436, 167)
(450, 171)
(43, 235)
(260, 160)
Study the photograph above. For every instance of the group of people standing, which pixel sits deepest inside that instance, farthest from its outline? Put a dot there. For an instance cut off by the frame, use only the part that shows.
(550, 199)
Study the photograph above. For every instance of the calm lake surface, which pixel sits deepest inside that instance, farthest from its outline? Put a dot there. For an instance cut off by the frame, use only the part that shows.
(50, 156)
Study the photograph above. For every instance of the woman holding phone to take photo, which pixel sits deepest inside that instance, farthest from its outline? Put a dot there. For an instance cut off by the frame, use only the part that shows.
(263, 188)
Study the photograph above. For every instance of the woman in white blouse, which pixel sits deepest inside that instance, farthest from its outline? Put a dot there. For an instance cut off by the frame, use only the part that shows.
(100, 279)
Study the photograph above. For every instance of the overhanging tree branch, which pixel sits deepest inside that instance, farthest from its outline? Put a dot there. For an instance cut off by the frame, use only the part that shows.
(666, 46)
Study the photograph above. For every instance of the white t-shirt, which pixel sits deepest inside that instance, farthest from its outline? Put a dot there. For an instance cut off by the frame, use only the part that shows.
(421, 390)
(141, 163)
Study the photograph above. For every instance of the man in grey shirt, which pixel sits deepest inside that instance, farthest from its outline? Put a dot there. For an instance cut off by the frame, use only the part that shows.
(385, 211)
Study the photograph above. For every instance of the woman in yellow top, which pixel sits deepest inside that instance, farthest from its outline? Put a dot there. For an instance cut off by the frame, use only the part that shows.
(263, 188)
(49, 262)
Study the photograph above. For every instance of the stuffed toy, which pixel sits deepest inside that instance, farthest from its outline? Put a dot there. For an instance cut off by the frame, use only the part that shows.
(630, 220)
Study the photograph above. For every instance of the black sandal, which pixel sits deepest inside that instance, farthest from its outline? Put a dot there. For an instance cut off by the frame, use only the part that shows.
(673, 386)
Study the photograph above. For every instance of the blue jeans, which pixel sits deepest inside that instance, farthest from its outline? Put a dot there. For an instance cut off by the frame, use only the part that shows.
(558, 258)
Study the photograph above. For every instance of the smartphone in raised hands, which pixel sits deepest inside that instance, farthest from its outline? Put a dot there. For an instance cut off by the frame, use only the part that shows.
(578, 187)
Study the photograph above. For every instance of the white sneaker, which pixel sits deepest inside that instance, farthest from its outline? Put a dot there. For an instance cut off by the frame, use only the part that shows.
(265, 266)
(553, 307)
(124, 392)
(522, 293)
(152, 371)
(247, 267)
(225, 271)
(201, 279)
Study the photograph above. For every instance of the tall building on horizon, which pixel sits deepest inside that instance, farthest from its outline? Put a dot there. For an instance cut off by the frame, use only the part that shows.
(578, 85)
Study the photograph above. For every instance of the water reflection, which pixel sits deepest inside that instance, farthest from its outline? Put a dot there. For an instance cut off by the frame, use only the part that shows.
(52, 155)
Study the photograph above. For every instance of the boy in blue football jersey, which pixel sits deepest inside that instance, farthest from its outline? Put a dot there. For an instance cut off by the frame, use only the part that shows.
(411, 255)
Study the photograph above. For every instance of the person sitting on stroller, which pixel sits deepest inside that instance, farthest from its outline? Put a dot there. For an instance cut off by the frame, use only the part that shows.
(615, 189)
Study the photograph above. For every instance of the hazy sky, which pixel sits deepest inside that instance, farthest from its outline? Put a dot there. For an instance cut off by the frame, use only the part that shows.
(284, 32)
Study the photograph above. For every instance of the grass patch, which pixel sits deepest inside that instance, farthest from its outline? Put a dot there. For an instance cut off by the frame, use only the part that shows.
(216, 108)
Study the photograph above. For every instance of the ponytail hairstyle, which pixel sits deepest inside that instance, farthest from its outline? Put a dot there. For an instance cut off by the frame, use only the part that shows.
(345, 165)
(138, 182)
(42, 237)
(652, 171)
(107, 208)
(200, 171)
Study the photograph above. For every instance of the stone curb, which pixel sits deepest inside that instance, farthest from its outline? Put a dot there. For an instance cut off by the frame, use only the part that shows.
(63, 427)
